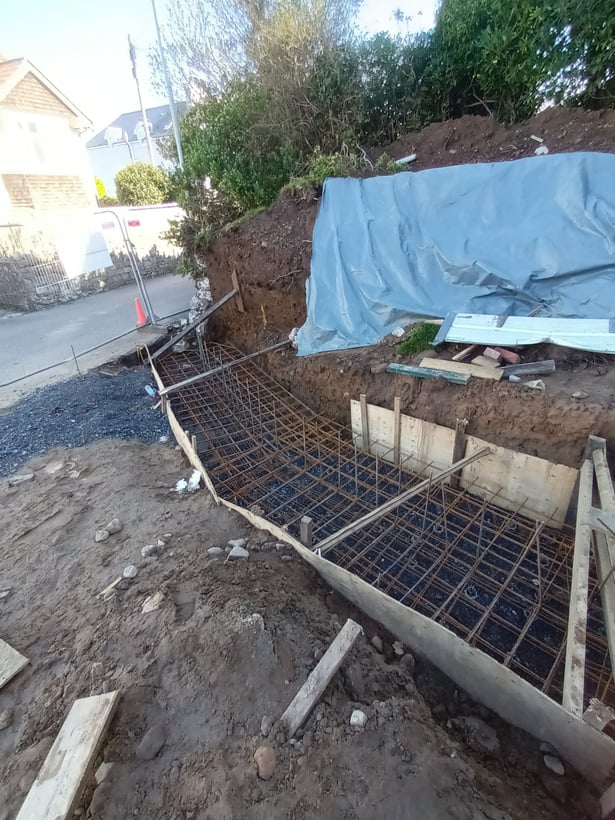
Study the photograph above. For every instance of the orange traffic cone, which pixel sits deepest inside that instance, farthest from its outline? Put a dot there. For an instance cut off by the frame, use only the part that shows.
(141, 317)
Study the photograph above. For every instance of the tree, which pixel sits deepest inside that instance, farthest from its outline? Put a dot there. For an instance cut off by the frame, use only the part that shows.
(142, 184)
(213, 43)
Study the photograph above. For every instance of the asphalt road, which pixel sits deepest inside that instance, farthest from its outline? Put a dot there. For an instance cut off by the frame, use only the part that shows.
(32, 341)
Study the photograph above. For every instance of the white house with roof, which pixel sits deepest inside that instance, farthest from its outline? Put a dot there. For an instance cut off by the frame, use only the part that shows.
(123, 142)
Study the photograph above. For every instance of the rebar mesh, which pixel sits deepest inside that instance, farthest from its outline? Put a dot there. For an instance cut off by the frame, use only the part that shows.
(497, 579)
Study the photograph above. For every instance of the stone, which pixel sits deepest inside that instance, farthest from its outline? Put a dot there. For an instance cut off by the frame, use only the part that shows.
(358, 719)
(238, 552)
(4, 593)
(554, 764)
(130, 571)
(266, 760)
(579, 395)
(215, 551)
(101, 535)
(151, 742)
(6, 718)
(152, 602)
(376, 642)
(115, 525)
(479, 735)
(148, 550)
(266, 725)
(163, 439)
(286, 557)
(16, 480)
(398, 649)
(237, 542)
(160, 543)
(409, 662)
(101, 799)
(102, 772)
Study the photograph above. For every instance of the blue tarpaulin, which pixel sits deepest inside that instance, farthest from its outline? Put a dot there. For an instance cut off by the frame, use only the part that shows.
(496, 238)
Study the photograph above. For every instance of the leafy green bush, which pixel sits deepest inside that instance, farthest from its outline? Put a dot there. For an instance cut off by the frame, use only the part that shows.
(107, 201)
(420, 337)
(142, 184)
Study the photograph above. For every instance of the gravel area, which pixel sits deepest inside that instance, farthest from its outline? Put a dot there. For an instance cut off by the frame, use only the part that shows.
(77, 412)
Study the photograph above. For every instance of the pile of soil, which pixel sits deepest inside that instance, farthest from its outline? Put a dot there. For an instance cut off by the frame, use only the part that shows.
(271, 253)
(231, 644)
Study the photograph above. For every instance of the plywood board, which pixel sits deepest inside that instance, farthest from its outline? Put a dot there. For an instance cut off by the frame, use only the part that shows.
(590, 751)
(475, 370)
(538, 488)
(58, 785)
(11, 662)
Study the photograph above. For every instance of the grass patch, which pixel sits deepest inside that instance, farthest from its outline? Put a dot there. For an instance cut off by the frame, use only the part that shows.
(420, 337)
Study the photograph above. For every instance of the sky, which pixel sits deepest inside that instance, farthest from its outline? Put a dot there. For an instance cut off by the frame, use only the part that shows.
(82, 46)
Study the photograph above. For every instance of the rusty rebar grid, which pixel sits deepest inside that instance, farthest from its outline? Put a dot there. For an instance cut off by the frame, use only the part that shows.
(493, 577)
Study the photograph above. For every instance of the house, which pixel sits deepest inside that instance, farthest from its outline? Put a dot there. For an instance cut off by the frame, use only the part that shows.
(123, 142)
(43, 161)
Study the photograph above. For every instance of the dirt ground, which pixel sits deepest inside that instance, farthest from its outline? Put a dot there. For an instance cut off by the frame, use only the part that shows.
(230, 644)
(271, 253)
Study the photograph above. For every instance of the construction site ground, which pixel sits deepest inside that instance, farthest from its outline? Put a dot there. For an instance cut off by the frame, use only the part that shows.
(230, 645)
(233, 641)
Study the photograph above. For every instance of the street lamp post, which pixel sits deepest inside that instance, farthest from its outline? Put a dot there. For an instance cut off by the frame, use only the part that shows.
(167, 80)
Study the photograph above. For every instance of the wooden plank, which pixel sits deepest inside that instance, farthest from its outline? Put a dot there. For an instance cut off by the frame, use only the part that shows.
(364, 423)
(396, 430)
(604, 543)
(393, 503)
(476, 370)
(463, 354)
(192, 326)
(200, 376)
(56, 791)
(529, 368)
(235, 283)
(484, 361)
(320, 677)
(11, 662)
(542, 487)
(574, 667)
(307, 526)
(459, 447)
(427, 373)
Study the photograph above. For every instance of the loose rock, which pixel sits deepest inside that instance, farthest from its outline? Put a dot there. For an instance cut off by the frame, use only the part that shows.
(149, 549)
(480, 736)
(554, 764)
(287, 557)
(6, 718)
(409, 662)
(215, 551)
(152, 602)
(160, 543)
(151, 743)
(115, 525)
(102, 771)
(579, 394)
(376, 642)
(101, 535)
(237, 542)
(266, 725)
(398, 649)
(266, 760)
(130, 571)
(358, 719)
(238, 552)
(4, 593)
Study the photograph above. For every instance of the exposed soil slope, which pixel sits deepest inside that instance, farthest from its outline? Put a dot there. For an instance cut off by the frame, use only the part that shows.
(272, 251)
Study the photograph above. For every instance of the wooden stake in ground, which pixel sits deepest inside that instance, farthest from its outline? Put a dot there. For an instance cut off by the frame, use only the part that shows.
(320, 677)
(58, 785)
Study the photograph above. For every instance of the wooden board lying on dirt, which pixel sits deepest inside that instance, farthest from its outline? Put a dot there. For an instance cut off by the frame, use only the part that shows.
(58, 785)
(476, 370)
(320, 677)
(11, 662)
